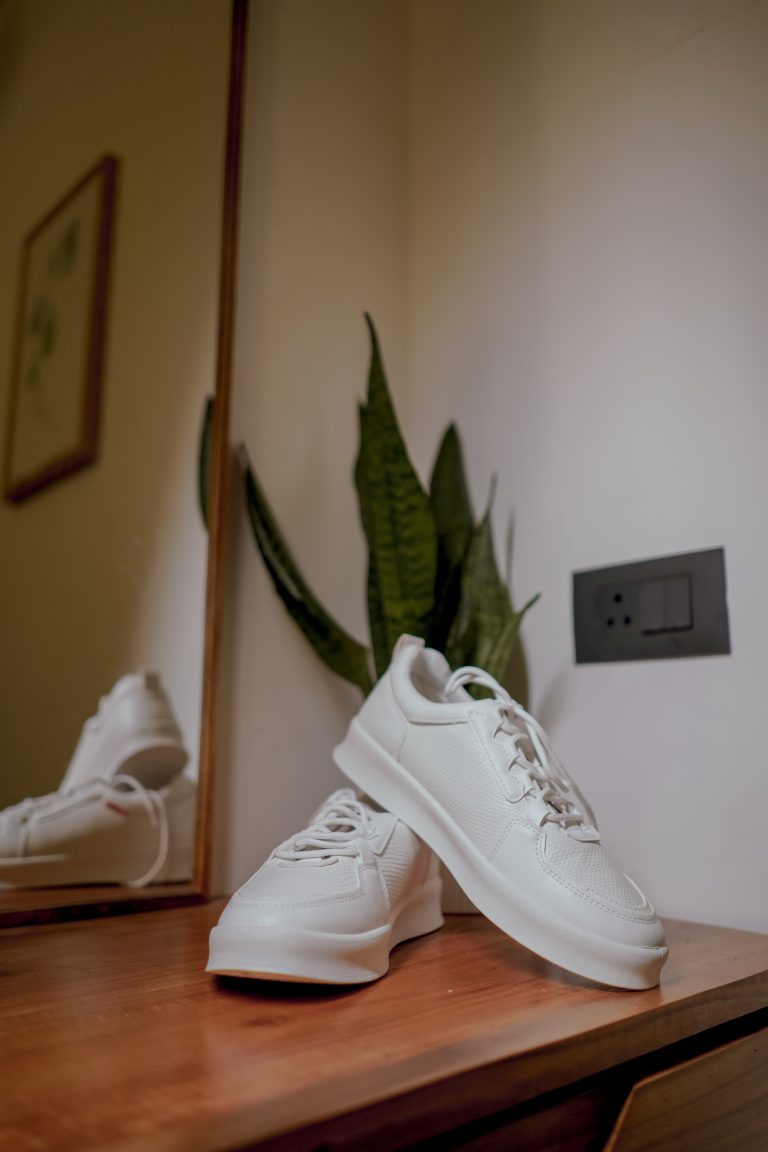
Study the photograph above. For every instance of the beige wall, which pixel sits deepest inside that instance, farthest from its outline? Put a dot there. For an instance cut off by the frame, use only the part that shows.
(105, 572)
(557, 212)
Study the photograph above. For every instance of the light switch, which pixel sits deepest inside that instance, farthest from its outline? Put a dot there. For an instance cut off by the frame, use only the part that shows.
(653, 610)
(677, 590)
(665, 605)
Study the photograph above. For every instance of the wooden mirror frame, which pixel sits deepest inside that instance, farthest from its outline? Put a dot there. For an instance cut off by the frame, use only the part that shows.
(35, 906)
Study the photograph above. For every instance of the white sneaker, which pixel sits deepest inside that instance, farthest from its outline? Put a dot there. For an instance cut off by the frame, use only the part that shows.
(134, 732)
(103, 832)
(478, 780)
(331, 902)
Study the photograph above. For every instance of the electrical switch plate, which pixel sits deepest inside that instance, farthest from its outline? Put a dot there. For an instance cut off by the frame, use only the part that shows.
(652, 609)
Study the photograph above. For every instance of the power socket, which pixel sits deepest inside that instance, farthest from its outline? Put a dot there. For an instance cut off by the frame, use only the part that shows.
(652, 609)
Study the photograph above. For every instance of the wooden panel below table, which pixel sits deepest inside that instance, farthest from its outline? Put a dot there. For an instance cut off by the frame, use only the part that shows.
(717, 1102)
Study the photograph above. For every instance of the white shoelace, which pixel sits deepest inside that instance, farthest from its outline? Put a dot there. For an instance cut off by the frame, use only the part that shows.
(332, 833)
(158, 817)
(546, 774)
(55, 802)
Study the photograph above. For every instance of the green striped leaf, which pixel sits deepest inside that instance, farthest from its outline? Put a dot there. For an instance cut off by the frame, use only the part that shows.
(451, 508)
(335, 647)
(485, 632)
(397, 520)
(515, 679)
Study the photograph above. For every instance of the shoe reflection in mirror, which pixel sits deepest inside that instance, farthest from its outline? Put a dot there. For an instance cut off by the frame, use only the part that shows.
(134, 732)
(101, 832)
(330, 903)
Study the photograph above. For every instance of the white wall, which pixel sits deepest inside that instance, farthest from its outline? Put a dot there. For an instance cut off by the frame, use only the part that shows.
(556, 211)
(589, 263)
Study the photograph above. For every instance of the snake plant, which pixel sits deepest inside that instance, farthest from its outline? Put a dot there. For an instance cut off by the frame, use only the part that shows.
(432, 569)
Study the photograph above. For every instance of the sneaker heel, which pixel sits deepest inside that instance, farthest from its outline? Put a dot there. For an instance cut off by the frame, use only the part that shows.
(420, 915)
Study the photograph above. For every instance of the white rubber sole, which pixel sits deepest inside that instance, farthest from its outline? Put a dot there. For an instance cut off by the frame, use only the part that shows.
(152, 763)
(606, 961)
(272, 952)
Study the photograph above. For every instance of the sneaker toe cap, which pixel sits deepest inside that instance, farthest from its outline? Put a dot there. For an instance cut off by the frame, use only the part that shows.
(602, 897)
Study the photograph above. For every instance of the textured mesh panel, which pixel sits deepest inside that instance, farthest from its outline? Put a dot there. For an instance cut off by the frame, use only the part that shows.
(589, 868)
(402, 864)
(452, 764)
(282, 883)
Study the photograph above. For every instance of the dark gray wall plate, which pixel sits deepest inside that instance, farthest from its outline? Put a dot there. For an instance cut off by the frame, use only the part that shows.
(652, 609)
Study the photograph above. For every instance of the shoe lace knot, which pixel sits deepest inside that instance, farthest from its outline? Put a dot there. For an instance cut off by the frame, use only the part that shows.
(533, 754)
(333, 833)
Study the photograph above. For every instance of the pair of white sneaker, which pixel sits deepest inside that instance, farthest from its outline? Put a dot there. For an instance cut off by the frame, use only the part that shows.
(124, 812)
(473, 782)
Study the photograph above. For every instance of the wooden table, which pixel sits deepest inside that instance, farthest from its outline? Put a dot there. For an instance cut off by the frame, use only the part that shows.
(113, 1037)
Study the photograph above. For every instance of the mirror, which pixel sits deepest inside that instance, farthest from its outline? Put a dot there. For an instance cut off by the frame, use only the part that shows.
(113, 126)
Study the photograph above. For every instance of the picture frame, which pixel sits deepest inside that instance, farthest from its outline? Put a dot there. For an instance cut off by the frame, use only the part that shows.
(53, 417)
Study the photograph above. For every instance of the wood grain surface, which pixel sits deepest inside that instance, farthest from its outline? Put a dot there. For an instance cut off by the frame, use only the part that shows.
(715, 1102)
(113, 1036)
